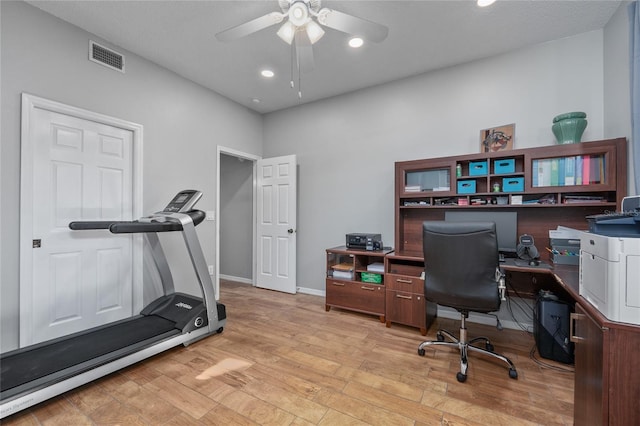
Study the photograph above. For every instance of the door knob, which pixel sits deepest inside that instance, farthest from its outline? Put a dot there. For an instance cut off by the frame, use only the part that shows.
(290, 230)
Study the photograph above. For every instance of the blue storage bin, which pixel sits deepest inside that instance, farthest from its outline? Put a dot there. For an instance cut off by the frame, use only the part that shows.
(477, 168)
(506, 165)
(514, 184)
(466, 186)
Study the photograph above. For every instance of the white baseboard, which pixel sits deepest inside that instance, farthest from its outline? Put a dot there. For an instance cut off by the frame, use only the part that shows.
(303, 290)
(312, 291)
(237, 279)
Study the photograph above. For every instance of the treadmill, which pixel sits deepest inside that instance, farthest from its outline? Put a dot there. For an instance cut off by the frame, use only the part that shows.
(38, 372)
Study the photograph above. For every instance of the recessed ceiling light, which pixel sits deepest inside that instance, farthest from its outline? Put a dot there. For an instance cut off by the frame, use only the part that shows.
(267, 73)
(356, 42)
(255, 100)
(485, 3)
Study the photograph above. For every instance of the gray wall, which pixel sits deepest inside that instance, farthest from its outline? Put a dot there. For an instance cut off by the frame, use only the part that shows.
(617, 83)
(236, 217)
(183, 123)
(346, 159)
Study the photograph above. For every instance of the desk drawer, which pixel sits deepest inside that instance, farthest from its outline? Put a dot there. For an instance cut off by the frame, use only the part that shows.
(406, 308)
(358, 296)
(405, 283)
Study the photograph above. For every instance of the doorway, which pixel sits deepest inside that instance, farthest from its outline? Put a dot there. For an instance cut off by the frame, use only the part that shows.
(235, 210)
(273, 219)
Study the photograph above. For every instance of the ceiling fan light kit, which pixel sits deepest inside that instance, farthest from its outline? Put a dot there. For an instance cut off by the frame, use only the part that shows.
(299, 13)
(303, 28)
(286, 32)
(314, 31)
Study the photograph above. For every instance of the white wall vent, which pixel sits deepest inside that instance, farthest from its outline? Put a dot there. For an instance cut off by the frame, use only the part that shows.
(105, 56)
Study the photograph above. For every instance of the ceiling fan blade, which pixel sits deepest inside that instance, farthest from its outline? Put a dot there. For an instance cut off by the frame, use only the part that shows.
(304, 52)
(250, 27)
(352, 25)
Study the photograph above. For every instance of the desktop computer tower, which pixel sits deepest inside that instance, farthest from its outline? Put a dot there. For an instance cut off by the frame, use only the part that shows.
(551, 329)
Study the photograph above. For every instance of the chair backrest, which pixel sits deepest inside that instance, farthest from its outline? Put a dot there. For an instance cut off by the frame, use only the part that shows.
(460, 261)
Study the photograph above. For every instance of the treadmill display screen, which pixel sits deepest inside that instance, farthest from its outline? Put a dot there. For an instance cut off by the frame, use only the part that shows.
(183, 201)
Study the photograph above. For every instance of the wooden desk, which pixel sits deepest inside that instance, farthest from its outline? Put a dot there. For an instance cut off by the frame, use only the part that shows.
(607, 377)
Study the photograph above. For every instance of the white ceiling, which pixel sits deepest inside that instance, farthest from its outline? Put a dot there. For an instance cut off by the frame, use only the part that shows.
(424, 35)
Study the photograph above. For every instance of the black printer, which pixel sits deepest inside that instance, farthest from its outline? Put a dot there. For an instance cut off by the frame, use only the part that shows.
(364, 241)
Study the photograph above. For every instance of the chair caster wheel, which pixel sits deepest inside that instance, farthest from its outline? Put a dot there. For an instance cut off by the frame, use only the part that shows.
(513, 373)
(421, 352)
(220, 330)
(461, 377)
(440, 337)
(489, 347)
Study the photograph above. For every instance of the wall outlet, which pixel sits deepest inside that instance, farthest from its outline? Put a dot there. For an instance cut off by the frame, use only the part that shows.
(210, 269)
(211, 215)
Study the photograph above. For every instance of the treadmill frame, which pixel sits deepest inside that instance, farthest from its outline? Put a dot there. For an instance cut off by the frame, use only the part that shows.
(145, 349)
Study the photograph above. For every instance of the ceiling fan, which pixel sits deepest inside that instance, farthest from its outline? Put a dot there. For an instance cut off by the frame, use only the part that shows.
(303, 22)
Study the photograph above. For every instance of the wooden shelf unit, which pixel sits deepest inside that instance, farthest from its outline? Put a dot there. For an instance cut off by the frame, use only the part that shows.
(417, 201)
(351, 292)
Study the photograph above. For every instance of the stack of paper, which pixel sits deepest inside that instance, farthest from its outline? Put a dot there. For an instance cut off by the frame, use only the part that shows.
(376, 267)
(343, 271)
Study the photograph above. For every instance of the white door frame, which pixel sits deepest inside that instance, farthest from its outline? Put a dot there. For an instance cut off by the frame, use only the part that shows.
(254, 159)
(29, 104)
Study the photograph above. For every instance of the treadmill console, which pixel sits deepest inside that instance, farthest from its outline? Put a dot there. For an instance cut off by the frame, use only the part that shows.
(183, 201)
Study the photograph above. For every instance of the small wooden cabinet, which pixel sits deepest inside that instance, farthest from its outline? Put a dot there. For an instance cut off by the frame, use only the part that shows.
(607, 379)
(346, 285)
(405, 301)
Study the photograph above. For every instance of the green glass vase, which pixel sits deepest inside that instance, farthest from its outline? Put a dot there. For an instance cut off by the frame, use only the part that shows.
(568, 127)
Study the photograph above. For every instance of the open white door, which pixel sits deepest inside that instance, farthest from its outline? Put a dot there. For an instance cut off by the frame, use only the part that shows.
(276, 228)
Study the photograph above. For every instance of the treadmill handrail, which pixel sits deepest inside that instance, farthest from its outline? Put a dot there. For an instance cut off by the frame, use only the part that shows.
(95, 224)
(169, 224)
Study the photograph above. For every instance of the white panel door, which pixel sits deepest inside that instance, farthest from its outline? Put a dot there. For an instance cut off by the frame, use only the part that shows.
(276, 230)
(82, 170)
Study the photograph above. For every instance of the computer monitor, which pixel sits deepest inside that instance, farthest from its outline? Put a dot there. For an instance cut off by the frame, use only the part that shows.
(506, 226)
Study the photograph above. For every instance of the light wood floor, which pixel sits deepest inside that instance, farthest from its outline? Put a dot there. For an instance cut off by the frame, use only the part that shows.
(283, 360)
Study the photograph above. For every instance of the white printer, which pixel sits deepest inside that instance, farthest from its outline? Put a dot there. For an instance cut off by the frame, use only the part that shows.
(610, 269)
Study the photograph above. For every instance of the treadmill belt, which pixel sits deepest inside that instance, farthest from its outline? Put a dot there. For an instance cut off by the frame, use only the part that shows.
(26, 366)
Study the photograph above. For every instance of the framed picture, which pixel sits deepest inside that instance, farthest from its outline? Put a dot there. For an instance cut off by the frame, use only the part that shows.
(497, 138)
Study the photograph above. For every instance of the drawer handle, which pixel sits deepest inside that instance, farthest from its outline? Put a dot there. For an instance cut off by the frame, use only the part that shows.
(364, 287)
(573, 318)
(405, 281)
(403, 296)
(337, 283)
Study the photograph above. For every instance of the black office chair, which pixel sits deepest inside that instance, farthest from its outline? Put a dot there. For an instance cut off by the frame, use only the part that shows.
(462, 271)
